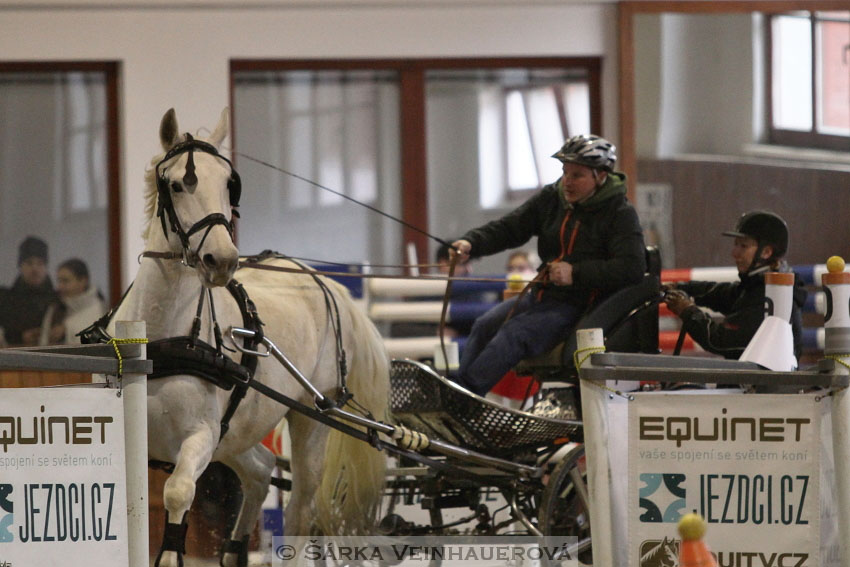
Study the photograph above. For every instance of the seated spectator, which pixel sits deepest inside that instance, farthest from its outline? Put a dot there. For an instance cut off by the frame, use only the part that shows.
(79, 305)
(761, 242)
(522, 262)
(23, 306)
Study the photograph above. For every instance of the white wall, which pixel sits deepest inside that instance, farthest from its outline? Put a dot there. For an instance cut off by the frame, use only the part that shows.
(694, 83)
(179, 57)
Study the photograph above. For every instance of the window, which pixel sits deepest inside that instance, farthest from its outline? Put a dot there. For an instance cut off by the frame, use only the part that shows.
(81, 151)
(330, 126)
(810, 79)
(59, 169)
(539, 119)
(441, 143)
(512, 118)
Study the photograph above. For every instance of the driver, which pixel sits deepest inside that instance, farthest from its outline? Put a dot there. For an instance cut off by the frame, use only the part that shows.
(591, 245)
(761, 241)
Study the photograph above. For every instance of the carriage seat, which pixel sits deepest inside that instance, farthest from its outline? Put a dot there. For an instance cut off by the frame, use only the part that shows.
(628, 318)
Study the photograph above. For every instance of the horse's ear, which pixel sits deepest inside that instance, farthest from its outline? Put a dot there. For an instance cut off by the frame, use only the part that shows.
(168, 131)
(220, 133)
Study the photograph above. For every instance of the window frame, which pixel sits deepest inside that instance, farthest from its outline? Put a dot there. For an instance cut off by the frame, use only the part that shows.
(797, 138)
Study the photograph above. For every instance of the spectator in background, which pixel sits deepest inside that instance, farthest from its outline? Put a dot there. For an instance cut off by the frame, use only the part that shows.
(23, 306)
(522, 262)
(79, 305)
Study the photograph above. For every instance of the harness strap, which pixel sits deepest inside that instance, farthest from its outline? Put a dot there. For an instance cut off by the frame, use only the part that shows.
(332, 308)
(162, 255)
(249, 362)
(190, 355)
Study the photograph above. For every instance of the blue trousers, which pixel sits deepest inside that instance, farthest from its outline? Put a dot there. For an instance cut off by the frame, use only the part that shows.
(493, 348)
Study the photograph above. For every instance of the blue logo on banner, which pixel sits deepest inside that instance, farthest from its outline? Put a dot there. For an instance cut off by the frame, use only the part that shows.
(6, 517)
(661, 505)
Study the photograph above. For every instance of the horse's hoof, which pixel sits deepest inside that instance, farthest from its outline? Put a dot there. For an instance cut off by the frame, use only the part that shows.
(234, 553)
(169, 559)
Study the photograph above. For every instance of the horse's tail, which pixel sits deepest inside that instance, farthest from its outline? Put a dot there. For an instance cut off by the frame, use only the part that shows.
(351, 489)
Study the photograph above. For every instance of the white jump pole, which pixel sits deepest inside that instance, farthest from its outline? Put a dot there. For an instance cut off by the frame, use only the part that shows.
(135, 397)
(837, 345)
(595, 417)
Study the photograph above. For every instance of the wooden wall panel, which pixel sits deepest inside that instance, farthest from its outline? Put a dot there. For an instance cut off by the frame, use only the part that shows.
(708, 198)
(34, 379)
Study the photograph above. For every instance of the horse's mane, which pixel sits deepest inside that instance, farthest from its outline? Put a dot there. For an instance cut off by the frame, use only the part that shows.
(150, 194)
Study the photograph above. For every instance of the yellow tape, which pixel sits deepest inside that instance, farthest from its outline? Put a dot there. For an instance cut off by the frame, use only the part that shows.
(578, 360)
(839, 358)
(115, 342)
(589, 350)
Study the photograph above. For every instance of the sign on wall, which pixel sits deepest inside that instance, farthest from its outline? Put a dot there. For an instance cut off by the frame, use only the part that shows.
(750, 465)
(62, 477)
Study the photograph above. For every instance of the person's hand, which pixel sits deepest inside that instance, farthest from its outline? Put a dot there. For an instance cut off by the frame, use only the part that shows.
(462, 247)
(677, 301)
(561, 273)
(667, 287)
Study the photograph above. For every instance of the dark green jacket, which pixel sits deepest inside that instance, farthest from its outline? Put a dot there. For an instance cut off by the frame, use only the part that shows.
(602, 238)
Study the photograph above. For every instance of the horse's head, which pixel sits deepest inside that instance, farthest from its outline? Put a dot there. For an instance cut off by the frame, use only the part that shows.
(196, 191)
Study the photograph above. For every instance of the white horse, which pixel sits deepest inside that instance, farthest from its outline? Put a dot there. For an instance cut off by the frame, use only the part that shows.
(185, 412)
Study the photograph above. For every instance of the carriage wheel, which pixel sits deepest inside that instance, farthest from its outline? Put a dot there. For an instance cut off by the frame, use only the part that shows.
(564, 508)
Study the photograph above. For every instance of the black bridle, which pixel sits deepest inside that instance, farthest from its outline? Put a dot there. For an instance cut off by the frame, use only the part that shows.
(165, 206)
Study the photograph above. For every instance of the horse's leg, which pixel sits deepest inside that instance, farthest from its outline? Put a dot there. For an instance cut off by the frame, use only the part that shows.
(254, 469)
(308, 438)
(192, 459)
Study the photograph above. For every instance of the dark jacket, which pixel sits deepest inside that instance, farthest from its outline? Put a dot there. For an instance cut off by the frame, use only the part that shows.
(22, 307)
(600, 237)
(742, 303)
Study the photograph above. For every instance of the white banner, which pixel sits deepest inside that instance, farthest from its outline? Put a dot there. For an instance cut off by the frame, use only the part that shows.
(62, 478)
(749, 464)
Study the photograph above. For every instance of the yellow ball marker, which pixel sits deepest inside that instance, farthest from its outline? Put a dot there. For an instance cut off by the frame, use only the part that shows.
(516, 282)
(835, 264)
(691, 527)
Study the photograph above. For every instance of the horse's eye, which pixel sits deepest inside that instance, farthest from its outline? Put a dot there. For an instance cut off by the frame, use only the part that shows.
(176, 187)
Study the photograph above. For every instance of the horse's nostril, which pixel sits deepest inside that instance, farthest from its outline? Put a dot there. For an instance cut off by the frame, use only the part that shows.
(209, 261)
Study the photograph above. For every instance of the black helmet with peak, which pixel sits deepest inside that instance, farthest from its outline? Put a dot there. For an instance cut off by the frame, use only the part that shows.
(590, 151)
(766, 228)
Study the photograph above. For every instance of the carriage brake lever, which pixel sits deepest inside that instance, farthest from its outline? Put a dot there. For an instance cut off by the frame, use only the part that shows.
(246, 334)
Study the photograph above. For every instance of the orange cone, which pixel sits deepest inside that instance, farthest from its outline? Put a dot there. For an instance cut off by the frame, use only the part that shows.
(693, 552)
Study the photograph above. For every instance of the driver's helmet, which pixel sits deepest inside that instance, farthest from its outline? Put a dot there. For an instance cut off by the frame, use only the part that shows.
(765, 228)
(588, 150)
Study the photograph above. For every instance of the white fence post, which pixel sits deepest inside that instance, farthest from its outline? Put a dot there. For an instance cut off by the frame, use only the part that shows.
(135, 396)
(594, 407)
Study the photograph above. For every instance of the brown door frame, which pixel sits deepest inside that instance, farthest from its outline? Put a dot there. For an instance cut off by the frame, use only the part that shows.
(627, 12)
(414, 179)
(111, 70)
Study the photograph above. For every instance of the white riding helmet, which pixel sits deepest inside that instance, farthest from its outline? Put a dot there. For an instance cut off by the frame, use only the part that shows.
(588, 150)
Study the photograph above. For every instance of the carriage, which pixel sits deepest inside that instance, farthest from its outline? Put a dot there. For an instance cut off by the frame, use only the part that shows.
(453, 450)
